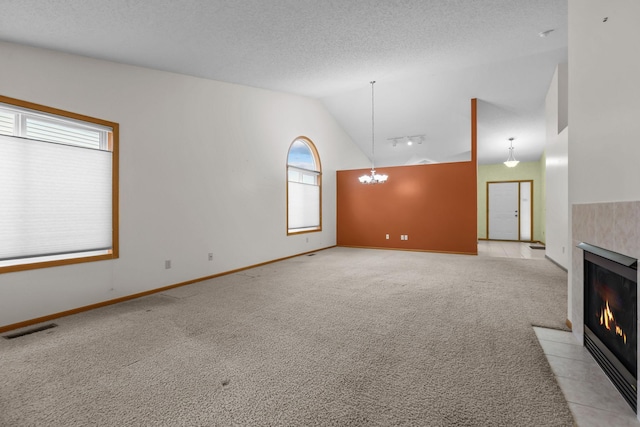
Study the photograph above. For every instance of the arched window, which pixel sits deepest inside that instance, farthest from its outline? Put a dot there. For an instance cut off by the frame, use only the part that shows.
(304, 185)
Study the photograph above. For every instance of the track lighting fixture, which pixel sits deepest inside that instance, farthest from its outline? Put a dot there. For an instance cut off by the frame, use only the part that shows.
(419, 139)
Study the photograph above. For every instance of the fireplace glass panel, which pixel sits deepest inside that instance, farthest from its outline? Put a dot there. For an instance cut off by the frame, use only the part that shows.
(611, 313)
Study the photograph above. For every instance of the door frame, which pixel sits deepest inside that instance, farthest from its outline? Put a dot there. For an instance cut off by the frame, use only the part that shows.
(519, 212)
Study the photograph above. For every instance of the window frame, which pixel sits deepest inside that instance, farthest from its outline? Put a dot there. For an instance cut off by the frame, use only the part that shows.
(314, 152)
(112, 146)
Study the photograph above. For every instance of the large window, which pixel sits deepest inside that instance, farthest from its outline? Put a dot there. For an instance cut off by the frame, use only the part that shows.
(58, 187)
(304, 195)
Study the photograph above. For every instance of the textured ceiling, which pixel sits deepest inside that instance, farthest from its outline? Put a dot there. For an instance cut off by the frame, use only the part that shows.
(428, 58)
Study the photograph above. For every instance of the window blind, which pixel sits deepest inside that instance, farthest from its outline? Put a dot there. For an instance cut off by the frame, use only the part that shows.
(304, 205)
(7, 123)
(54, 198)
(45, 130)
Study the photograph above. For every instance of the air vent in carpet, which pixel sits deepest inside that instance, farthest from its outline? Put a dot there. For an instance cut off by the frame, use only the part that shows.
(29, 331)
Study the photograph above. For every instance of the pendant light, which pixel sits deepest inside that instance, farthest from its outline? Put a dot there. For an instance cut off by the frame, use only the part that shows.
(511, 161)
(373, 178)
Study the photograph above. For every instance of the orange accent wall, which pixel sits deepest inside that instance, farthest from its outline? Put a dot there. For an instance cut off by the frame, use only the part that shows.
(435, 205)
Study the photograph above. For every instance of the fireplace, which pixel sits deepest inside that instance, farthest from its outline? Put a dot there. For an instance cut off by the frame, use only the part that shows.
(610, 316)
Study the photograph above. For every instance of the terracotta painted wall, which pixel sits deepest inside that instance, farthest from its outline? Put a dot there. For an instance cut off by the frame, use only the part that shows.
(435, 205)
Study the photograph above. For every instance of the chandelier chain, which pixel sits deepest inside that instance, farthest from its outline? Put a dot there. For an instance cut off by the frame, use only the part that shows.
(373, 178)
(373, 154)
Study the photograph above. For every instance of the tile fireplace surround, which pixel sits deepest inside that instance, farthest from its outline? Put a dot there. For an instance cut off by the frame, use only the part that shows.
(614, 226)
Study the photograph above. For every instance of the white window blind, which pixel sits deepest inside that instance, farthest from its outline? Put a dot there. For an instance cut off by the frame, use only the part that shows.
(48, 130)
(304, 206)
(55, 198)
(7, 123)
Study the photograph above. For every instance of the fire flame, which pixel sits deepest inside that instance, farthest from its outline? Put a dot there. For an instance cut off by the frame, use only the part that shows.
(607, 320)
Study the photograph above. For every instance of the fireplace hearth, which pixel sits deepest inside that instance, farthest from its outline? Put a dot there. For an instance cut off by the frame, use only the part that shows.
(610, 316)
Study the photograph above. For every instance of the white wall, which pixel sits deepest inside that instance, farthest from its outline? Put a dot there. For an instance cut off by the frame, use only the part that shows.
(556, 170)
(604, 108)
(202, 169)
(604, 100)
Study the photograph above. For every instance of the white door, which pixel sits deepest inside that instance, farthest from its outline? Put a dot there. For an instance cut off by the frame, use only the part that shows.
(503, 210)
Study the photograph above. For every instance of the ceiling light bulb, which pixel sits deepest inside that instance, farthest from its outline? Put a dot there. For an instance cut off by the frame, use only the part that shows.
(409, 142)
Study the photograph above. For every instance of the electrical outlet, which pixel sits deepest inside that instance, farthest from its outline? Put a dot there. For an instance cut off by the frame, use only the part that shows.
(406, 237)
(210, 256)
(167, 264)
(387, 237)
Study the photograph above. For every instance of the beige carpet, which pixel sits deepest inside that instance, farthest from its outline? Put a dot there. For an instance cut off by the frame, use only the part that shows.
(348, 337)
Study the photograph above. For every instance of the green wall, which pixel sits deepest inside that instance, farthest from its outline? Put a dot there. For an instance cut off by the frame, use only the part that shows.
(524, 171)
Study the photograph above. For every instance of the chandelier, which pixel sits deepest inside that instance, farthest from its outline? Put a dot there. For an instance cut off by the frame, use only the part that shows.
(373, 178)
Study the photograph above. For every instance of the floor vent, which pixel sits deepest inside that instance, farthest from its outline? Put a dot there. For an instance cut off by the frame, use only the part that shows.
(311, 255)
(29, 331)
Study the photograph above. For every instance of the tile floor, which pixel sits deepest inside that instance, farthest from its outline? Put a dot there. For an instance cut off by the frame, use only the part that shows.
(508, 249)
(592, 398)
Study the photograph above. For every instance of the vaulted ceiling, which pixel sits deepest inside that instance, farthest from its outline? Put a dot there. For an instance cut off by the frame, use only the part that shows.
(428, 58)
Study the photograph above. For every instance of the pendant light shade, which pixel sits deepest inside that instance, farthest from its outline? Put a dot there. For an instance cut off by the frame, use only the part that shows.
(511, 161)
